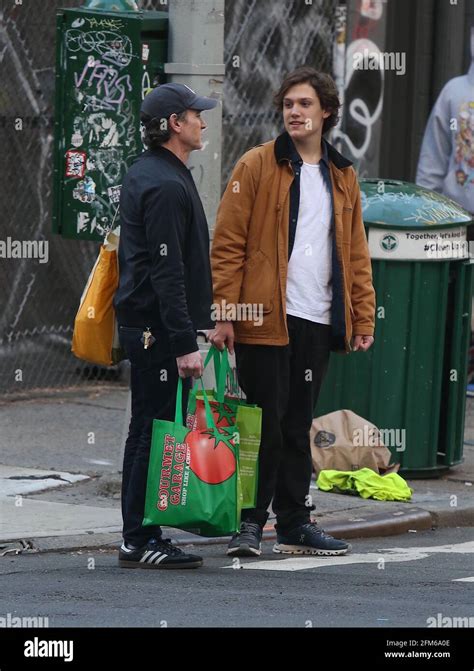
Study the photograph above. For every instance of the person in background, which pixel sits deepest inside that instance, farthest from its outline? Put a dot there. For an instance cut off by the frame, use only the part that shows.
(446, 163)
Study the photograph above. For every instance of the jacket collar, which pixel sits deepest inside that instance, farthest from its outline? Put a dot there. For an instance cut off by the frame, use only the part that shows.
(285, 150)
(168, 156)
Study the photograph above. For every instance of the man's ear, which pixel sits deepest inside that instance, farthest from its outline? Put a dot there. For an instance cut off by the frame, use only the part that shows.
(326, 114)
(174, 124)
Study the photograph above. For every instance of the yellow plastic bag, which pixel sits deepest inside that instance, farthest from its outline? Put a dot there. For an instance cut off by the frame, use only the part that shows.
(95, 336)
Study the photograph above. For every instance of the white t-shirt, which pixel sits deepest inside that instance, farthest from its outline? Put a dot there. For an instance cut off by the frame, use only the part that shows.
(309, 286)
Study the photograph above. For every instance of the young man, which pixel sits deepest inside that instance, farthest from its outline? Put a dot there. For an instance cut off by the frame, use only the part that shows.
(290, 238)
(164, 297)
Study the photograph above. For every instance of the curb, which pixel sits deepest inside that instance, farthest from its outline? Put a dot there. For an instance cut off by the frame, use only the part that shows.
(368, 526)
(455, 517)
(52, 393)
(381, 524)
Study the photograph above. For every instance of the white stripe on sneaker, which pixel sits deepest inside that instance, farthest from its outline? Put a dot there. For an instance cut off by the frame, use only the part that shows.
(160, 559)
(146, 555)
(155, 555)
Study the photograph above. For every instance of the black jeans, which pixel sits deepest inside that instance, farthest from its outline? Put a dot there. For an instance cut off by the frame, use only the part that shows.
(285, 383)
(154, 380)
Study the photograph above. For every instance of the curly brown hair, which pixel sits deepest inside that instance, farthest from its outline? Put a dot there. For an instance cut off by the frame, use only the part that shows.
(324, 86)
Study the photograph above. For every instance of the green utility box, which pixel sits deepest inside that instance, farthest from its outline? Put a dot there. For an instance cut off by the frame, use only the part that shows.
(105, 63)
(412, 382)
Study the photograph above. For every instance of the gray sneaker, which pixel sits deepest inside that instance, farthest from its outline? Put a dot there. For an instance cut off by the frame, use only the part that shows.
(247, 543)
(309, 539)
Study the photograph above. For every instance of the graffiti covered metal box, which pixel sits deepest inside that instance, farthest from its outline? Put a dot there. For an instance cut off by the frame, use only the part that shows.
(105, 63)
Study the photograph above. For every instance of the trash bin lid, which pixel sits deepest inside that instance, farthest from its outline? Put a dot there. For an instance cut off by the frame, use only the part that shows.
(112, 5)
(388, 203)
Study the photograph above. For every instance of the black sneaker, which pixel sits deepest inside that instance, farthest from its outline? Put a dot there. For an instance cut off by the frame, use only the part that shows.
(247, 543)
(157, 553)
(309, 539)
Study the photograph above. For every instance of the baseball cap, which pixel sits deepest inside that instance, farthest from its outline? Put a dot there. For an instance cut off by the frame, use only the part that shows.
(168, 99)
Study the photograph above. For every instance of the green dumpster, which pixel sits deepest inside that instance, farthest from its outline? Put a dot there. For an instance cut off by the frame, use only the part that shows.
(412, 383)
(106, 61)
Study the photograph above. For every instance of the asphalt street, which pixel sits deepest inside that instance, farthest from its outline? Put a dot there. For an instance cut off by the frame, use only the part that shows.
(83, 432)
(405, 581)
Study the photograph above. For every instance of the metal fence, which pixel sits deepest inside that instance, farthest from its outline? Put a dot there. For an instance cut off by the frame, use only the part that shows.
(38, 300)
(264, 40)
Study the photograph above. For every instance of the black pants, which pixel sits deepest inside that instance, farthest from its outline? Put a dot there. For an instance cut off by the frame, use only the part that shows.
(285, 383)
(154, 380)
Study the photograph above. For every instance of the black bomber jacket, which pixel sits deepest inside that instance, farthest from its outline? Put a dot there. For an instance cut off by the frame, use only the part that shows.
(165, 275)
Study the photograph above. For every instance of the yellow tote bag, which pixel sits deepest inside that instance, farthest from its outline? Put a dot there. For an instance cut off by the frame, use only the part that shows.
(95, 336)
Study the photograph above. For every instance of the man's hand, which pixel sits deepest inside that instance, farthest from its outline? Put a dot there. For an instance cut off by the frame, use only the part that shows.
(223, 335)
(190, 365)
(362, 343)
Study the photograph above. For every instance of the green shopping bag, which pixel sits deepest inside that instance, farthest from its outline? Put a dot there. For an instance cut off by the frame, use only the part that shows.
(228, 411)
(196, 413)
(249, 424)
(193, 475)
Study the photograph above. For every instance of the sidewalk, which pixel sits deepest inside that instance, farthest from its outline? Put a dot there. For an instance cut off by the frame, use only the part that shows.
(60, 482)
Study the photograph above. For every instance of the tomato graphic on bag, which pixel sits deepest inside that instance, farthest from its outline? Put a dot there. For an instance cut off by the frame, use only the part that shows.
(212, 457)
(222, 413)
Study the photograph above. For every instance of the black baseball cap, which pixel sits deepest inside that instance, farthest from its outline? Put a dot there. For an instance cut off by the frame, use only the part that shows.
(168, 99)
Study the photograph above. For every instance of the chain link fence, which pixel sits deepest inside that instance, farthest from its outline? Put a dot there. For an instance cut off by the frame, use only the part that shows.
(264, 40)
(38, 296)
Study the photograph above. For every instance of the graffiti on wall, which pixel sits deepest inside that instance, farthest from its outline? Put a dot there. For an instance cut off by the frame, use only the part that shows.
(360, 32)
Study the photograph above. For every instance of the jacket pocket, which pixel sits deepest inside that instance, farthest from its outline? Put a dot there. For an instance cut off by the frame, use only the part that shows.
(349, 304)
(347, 224)
(259, 282)
(348, 280)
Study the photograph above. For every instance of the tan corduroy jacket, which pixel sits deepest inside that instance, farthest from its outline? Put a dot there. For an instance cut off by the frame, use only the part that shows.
(249, 255)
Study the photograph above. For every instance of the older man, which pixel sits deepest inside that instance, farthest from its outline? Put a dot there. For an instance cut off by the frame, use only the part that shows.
(164, 297)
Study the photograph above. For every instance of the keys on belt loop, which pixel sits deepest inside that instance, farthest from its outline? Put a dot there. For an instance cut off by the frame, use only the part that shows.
(147, 338)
